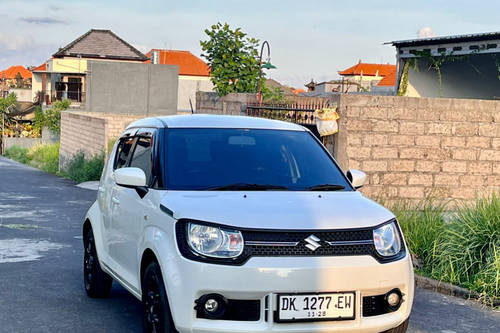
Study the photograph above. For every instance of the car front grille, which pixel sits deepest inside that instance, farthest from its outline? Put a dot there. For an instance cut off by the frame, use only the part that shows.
(295, 243)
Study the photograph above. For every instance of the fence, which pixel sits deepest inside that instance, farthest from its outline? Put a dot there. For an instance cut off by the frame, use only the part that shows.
(300, 111)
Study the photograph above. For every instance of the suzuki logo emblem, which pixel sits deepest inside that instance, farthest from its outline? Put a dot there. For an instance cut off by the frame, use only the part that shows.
(312, 242)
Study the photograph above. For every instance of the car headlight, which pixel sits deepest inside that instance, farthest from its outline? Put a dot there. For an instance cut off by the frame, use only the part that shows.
(386, 239)
(214, 242)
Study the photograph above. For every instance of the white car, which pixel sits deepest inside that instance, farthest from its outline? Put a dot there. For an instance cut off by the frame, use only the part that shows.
(238, 224)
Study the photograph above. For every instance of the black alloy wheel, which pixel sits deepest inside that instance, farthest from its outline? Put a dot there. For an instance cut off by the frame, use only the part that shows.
(97, 282)
(156, 311)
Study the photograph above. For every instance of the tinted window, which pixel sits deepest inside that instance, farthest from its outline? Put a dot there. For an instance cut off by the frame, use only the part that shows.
(123, 152)
(198, 159)
(142, 157)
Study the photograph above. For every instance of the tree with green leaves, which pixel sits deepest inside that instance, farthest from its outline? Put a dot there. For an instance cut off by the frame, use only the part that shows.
(233, 59)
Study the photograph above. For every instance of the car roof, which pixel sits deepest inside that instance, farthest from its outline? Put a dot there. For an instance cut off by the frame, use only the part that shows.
(214, 121)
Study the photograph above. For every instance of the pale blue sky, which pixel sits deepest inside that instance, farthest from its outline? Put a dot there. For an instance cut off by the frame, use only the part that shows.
(309, 39)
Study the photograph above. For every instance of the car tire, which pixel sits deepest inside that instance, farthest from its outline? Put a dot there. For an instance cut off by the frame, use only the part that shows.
(400, 329)
(155, 309)
(97, 283)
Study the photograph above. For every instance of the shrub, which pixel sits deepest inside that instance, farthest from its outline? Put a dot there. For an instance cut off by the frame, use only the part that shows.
(17, 154)
(45, 157)
(80, 169)
(51, 118)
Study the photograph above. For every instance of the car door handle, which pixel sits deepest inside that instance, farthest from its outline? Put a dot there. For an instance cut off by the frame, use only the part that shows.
(115, 200)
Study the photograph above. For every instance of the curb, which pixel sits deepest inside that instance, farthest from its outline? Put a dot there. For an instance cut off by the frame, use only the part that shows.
(444, 288)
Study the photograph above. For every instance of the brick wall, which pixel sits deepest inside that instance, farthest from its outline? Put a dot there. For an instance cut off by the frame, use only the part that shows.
(414, 148)
(89, 132)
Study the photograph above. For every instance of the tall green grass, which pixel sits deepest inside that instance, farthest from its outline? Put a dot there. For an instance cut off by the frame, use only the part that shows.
(422, 225)
(460, 246)
(44, 157)
(469, 253)
(17, 154)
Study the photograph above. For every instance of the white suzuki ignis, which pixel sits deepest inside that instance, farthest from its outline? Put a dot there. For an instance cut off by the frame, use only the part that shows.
(238, 224)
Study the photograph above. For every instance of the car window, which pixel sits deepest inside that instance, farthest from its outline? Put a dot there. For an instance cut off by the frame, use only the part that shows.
(201, 158)
(123, 152)
(142, 157)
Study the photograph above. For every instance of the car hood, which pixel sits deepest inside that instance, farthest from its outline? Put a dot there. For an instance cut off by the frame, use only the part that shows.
(277, 209)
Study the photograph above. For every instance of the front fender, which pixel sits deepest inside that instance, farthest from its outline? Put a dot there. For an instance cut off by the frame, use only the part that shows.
(94, 216)
(162, 242)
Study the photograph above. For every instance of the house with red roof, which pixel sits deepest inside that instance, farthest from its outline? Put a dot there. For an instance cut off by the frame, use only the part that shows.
(367, 75)
(14, 77)
(194, 74)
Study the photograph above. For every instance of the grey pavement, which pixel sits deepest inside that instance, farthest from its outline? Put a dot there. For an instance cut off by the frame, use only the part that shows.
(41, 287)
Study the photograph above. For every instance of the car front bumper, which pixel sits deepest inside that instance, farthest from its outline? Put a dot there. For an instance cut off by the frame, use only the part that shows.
(265, 277)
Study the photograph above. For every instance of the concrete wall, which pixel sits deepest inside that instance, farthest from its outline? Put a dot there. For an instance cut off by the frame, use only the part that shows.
(47, 138)
(232, 104)
(416, 148)
(89, 132)
(131, 88)
(188, 87)
(23, 95)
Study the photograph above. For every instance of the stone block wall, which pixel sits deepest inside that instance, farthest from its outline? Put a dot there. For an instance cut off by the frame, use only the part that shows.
(416, 148)
(89, 132)
(231, 104)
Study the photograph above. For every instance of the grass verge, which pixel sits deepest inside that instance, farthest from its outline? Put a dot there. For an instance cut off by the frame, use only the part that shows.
(46, 158)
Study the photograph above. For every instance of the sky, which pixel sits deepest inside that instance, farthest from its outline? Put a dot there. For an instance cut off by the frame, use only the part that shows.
(308, 39)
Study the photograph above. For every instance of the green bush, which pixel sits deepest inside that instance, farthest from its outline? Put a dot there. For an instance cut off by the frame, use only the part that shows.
(51, 118)
(80, 169)
(17, 154)
(45, 157)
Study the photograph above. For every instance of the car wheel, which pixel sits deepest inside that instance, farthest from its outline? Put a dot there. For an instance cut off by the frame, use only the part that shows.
(400, 329)
(97, 282)
(156, 311)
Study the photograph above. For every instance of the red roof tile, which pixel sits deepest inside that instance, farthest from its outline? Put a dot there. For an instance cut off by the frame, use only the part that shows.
(10, 73)
(298, 91)
(41, 68)
(369, 69)
(388, 81)
(188, 63)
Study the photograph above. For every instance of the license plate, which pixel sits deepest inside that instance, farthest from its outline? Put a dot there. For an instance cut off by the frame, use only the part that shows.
(316, 307)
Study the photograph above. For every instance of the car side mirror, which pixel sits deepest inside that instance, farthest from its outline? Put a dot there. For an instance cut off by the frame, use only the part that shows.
(356, 177)
(130, 177)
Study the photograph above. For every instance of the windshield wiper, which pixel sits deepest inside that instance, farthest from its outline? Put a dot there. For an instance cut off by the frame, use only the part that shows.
(326, 187)
(247, 187)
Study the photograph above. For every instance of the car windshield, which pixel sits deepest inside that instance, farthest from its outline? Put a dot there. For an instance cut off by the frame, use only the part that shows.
(248, 159)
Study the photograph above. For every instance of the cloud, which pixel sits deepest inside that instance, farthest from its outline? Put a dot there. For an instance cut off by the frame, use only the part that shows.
(55, 8)
(15, 42)
(425, 32)
(42, 20)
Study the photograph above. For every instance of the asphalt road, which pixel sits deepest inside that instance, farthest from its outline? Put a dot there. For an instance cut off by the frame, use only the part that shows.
(41, 288)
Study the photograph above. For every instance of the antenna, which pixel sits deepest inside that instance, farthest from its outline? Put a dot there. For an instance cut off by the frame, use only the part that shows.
(191, 104)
